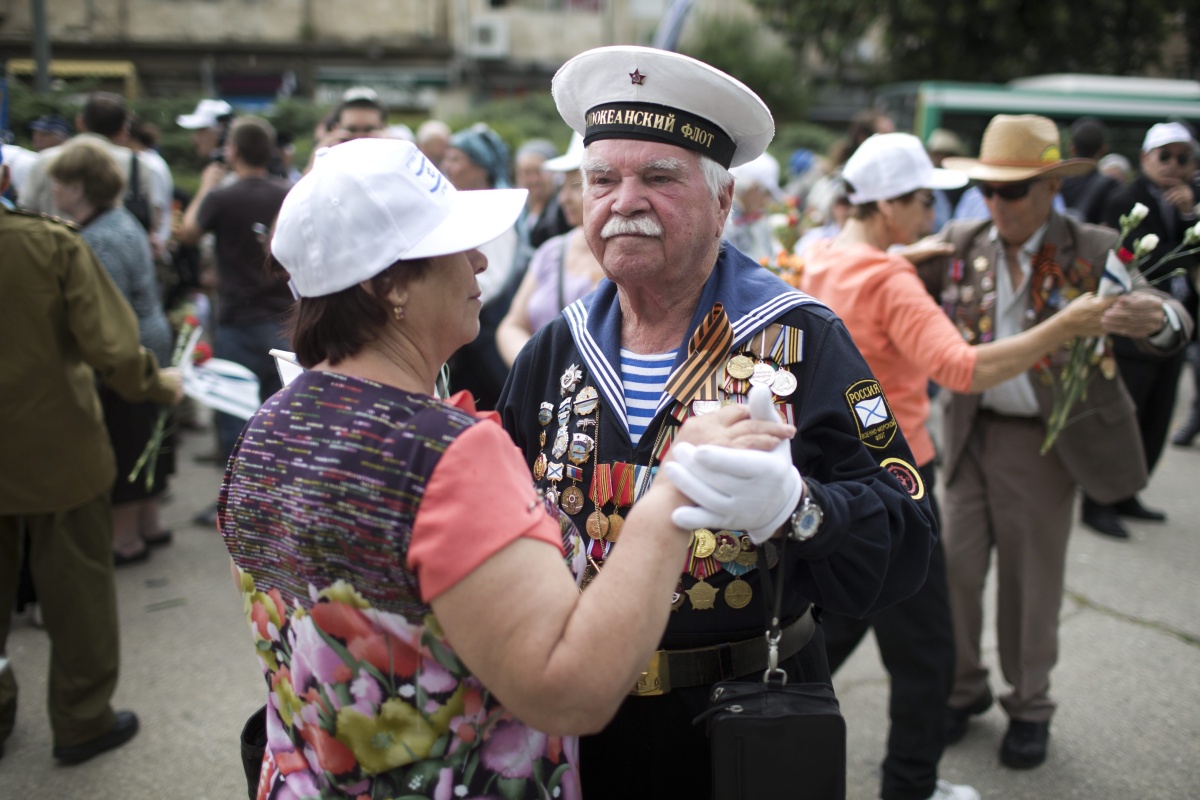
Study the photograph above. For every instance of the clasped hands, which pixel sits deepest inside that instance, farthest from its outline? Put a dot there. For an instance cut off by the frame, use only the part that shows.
(752, 485)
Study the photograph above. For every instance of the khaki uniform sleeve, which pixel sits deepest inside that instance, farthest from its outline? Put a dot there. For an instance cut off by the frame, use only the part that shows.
(106, 330)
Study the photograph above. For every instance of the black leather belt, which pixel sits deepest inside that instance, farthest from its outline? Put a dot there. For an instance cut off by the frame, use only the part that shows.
(704, 666)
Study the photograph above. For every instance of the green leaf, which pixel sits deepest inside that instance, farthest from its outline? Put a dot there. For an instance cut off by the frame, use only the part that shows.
(512, 788)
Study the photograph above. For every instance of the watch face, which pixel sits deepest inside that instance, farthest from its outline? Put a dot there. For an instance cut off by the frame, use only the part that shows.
(807, 521)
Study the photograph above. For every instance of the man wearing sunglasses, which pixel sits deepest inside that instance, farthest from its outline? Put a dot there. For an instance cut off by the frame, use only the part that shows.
(1003, 276)
(1165, 187)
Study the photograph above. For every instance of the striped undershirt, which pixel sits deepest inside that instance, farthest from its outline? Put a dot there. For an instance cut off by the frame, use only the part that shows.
(643, 377)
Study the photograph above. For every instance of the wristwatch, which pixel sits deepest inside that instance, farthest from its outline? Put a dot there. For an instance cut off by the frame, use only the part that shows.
(806, 520)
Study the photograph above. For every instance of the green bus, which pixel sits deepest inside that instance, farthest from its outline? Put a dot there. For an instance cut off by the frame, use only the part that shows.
(1128, 106)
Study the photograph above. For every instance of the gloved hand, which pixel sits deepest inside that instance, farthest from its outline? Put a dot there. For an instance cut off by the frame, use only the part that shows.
(734, 489)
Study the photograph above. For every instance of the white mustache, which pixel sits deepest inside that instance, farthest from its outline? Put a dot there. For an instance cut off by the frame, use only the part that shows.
(630, 226)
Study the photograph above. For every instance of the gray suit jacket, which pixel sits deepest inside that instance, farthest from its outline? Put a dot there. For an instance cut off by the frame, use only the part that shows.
(1101, 447)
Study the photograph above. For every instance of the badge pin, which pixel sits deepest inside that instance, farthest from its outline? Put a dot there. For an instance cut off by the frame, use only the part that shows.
(986, 283)
(561, 442)
(572, 500)
(702, 595)
(586, 401)
(581, 448)
(564, 412)
(702, 407)
(545, 414)
(968, 294)
(980, 263)
(539, 467)
(570, 379)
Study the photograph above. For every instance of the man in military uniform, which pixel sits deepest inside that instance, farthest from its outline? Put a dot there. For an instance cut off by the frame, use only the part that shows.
(682, 324)
(1007, 274)
(63, 320)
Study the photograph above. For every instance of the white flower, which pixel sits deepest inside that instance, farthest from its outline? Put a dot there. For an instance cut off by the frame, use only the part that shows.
(1145, 245)
(1137, 214)
(1192, 237)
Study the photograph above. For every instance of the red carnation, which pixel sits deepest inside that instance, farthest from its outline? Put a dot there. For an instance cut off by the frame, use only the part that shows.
(201, 353)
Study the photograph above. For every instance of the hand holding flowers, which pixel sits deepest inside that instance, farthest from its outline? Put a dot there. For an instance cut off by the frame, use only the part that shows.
(1132, 314)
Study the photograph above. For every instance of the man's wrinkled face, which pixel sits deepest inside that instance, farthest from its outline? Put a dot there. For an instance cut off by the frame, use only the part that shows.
(1019, 208)
(1169, 165)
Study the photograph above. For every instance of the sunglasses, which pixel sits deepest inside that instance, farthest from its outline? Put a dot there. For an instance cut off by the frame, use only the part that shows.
(1006, 191)
(1182, 159)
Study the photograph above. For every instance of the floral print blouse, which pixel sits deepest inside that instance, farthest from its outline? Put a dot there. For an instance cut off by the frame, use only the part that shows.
(347, 506)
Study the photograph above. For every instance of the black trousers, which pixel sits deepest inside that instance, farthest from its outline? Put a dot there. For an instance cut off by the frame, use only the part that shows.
(651, 749)
(1153, 384)
(916, 643)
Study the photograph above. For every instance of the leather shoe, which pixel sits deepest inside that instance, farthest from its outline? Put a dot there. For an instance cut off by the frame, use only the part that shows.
(124, 729)
(1024, 745)
(957, 719)
(1103, 519)
(1133, 508)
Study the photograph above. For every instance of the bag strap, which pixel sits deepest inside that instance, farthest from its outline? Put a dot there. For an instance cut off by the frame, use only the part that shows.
(774, 611)
(135, 179)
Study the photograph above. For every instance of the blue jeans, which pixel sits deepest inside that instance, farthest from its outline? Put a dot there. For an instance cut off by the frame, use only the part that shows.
(248, 345)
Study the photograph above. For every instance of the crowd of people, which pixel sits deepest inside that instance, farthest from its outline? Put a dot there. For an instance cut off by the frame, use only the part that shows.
(516, 357)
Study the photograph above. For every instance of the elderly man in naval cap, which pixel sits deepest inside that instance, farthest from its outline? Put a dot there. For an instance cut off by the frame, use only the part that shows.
(682, 325)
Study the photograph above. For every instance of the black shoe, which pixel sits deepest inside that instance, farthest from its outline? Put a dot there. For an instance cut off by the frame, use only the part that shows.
(1103, 519)
(1184, 436)
(120, 560)
(957, 719)
(124, 729)
(207, 517)
(1133, 508)
(1024, 745)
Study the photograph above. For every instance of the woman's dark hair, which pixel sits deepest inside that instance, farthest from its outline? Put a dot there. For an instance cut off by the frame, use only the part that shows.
(336, 326)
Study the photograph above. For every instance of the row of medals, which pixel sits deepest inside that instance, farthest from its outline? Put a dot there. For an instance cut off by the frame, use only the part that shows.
(726, 547)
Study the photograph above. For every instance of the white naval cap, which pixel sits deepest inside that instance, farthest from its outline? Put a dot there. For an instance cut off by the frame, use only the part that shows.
(628, 92)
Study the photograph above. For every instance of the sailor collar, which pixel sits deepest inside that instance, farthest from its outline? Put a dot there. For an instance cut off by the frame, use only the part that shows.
(752, 296)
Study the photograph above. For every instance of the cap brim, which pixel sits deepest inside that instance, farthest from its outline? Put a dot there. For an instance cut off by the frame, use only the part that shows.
(979, 171)
(194, 121)
(477, 218)
(947, 179)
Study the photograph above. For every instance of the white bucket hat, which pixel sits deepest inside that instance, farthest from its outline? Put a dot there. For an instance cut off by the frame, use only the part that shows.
(891, 165)
(1165, 133)
(369, 203)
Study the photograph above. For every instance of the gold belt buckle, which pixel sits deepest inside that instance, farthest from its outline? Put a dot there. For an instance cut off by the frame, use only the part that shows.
(656, 679)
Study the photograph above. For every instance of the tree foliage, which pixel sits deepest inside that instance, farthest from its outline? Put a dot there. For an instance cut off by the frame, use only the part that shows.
(978, 40)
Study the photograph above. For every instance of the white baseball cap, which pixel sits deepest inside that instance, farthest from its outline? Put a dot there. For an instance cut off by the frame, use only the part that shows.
(369, 203)
(207, 114)
(762, 171)
(628, 92)
(570, 160)
(1165, 133)
(891, 165)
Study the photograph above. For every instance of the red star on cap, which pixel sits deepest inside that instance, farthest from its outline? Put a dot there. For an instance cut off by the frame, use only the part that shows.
(637, 77)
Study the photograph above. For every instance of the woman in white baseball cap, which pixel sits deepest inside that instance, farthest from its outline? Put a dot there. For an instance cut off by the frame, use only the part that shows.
(907, 340)
(403, 582)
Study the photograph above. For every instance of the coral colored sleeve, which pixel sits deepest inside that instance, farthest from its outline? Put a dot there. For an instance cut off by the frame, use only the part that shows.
(479, 500)
(922, 331)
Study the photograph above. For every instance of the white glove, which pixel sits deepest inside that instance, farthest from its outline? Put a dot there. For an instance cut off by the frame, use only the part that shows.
(736, 489)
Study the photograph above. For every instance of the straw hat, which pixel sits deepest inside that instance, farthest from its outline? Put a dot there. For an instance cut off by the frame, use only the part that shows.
(1018, 148)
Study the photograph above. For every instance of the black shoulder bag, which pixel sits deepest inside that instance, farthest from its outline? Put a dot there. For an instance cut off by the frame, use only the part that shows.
(771, 740)
(136, 201)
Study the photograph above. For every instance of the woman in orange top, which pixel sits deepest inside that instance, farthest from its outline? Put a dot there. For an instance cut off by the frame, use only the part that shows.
(907, 340)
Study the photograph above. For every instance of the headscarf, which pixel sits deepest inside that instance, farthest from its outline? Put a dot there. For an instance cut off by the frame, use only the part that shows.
(485, 147)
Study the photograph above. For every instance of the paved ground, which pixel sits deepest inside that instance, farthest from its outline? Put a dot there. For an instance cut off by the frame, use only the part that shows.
(1128, 681)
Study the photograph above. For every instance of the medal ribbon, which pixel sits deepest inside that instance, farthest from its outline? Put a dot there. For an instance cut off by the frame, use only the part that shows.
(1044, 266)
(602, 490)
(706, 352)
(622, 478)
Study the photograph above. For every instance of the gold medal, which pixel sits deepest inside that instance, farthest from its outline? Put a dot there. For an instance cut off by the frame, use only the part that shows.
(738, 594)
(747, 558)
(702, 595)
(539, 467)
(703, 542)
(572, 500)
(597, 525)
(980, 263)
(615, 523)
(541, 438)
(727, 547)
(740, 367)
(784, 383)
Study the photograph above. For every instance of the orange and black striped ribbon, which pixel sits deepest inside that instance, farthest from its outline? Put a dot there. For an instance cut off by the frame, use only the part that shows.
(1044, 266)
(706, 354)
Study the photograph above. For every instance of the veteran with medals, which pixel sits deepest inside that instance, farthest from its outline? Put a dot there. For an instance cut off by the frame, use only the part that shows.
(683, 326)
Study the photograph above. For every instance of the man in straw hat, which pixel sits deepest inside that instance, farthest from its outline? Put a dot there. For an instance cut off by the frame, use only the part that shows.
(1004, 275)
(681, 324)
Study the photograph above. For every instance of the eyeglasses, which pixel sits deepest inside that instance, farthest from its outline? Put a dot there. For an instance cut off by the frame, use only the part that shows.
(1006, 191)
(1182, 159)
